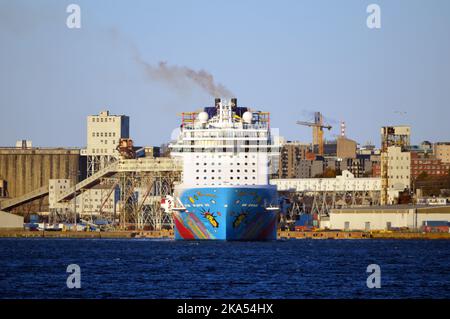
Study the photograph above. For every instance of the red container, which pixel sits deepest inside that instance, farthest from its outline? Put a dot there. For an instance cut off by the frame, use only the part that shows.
(436, 229)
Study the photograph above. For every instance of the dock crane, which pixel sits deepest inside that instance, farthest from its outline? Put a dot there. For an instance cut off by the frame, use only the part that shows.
(318, 127)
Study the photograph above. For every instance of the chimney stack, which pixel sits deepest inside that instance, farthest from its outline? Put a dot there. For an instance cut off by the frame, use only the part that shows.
(217, 102)
(233, 103)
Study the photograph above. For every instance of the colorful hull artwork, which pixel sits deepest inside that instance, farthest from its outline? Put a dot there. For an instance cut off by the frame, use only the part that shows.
(227, 213)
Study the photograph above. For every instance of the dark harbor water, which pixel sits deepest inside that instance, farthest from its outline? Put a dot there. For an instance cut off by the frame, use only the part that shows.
(36, 268)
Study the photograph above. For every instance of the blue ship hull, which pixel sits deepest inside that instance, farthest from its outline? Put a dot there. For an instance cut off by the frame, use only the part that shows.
(227, 213)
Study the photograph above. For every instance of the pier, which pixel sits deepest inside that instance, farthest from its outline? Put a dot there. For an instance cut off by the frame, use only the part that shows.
(169, 234)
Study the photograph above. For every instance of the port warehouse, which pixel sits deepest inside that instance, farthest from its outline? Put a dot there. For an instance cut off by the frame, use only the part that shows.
(397, 217)
(25, 170)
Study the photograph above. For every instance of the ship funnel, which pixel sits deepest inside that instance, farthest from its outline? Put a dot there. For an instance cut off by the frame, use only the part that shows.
(217, 102)
(233, 103)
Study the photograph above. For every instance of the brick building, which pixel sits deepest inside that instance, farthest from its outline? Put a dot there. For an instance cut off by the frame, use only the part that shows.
(431, 165)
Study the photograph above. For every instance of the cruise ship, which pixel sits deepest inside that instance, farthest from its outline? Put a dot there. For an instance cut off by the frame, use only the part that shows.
(225, 193)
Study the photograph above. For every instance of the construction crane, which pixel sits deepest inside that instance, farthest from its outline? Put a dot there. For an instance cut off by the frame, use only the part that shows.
(318, 127)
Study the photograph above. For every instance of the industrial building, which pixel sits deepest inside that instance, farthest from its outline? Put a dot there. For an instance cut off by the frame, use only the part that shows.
(360, 166)
(345, 147)
(442, 151)
(395, 162)
(342, 147)
(151, 151)
(309, 168)
(291, 155)
(104, 177)
(345, 182)
(317, 196)
(385, 217)
(24, 170)
(423, 149)
(10, 221)
(94, 203)
(90, 202)
(2, 189)
(430, 165)
(104, 132)
(368, 149)
(399, 170)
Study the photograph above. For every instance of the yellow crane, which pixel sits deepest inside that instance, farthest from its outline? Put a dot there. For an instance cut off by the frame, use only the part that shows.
(318, 127)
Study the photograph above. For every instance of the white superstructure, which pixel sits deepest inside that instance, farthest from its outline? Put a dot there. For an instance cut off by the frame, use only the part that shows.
(225, 145)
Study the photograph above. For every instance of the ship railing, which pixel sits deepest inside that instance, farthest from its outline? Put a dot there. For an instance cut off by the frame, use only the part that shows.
(258, 126)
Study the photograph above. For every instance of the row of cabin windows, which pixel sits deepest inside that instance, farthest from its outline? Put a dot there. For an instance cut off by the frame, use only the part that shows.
(220, 171)
(230, 149)
(220, 177)
(219, 143)
(212, 184)
(224, 134)
(219, 163)
(220, 156)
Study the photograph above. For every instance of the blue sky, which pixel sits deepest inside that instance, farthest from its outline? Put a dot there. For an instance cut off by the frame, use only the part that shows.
(287, 57)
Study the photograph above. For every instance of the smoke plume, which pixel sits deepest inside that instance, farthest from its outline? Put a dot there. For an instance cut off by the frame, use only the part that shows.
(178, 75)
